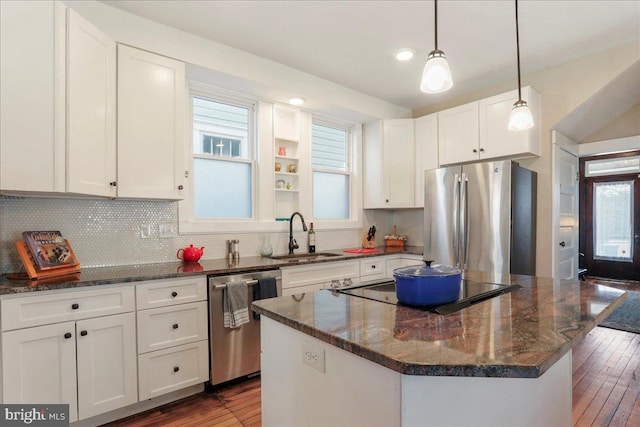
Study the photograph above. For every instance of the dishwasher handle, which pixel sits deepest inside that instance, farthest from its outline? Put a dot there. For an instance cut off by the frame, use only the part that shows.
(249, 283)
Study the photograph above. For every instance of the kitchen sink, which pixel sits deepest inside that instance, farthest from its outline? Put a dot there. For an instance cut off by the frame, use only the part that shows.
(303, 257)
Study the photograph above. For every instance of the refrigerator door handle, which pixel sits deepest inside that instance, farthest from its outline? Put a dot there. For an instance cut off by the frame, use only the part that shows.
(464, 222)
(456, 218)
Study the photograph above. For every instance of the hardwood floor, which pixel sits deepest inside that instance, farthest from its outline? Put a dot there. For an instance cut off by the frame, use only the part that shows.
(606, 391)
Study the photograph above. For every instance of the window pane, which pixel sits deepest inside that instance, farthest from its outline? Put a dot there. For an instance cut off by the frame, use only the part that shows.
(329, 147)
(220, 129)
(330, 195)
(613, 221)
(222, 189)
(616, 166)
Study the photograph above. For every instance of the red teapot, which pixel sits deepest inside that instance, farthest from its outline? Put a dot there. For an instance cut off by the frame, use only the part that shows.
(190, 254)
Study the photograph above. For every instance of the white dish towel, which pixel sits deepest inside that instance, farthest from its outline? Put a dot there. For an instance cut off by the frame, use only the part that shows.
(235, 304)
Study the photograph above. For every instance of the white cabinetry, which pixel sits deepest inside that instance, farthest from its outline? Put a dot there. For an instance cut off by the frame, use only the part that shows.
(402, 261)
(496, 139)
(151, 120)
(478, 130)
(426, 152)
(309, 278)
(91, 109)
(172, 335)
(372, 269)
(57, 90)
(94, 335)
(389, 164)
(458, 134)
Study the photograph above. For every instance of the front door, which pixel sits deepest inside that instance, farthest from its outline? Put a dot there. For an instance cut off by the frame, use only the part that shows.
(610, 213)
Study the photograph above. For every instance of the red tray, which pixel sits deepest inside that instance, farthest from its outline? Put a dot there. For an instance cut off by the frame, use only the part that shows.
(361, 251)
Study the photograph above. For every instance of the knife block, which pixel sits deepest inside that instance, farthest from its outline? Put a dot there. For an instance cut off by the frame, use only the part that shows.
(368, 244)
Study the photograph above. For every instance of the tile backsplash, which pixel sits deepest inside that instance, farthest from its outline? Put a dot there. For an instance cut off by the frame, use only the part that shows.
(108, 232)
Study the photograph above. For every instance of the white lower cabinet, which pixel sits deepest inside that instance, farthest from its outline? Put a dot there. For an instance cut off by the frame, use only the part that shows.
(309, 278)
(404, 261)
(88, 362)
(171, 369)
(39, 365)
(173, 349)
(106, 364)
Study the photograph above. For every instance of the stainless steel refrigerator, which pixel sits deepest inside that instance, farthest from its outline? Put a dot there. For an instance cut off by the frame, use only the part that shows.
(481, 217)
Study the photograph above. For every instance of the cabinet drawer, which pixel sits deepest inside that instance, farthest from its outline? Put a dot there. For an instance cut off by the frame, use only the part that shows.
(293, 277)
(47, 308)
(162, 293)
(165, 327)
(164, 371)
(392, 264)
(372, 269)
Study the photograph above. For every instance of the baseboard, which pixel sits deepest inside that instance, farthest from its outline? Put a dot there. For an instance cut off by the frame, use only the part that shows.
(136, 408)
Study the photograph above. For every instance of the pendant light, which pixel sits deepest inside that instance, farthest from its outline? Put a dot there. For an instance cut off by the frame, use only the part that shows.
(521, 117)
(436, 76)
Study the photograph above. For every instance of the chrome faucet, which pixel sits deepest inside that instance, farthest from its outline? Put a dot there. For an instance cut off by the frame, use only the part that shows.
(292, 242)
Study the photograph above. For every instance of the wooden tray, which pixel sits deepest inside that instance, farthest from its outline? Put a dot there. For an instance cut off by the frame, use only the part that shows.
(31, 267)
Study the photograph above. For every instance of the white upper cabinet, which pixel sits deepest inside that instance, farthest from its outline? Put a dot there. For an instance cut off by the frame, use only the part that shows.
(151, 125)
(426, 152)
(496, 140)
(458, 134)
(91, 105)
(389, 174)
(57, 91)
(478, 130)
(32, 79)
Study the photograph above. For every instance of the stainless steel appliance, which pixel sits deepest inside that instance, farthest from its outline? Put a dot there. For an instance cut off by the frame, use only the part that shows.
(234, 353)
(481, 217)
(470, 293)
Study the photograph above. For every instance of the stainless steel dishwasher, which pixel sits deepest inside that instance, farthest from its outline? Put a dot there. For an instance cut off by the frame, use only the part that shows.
(234, 353)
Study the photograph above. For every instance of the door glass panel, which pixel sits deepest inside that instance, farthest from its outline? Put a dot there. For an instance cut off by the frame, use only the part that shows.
(613, 221)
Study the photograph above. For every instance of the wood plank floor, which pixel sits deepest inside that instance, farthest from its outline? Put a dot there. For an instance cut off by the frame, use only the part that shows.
(606, 391)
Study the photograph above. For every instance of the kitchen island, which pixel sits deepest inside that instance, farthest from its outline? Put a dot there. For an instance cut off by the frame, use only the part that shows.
(334, 359)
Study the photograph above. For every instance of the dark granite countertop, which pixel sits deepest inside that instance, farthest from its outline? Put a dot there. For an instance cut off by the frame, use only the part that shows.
(133, 273)
(519, 334)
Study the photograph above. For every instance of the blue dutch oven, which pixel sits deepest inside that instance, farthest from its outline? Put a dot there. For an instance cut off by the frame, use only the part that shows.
(428, 284)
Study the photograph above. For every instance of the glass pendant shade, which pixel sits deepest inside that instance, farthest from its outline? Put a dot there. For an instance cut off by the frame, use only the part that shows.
(436, 76)
(520, 118)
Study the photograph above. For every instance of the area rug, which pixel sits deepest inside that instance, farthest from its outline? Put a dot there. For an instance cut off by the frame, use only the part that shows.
(626, 317)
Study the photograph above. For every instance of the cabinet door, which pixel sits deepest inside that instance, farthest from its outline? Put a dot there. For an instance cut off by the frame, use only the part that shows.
(32, 79)
(107, 370)
(91, 103)
(398, 163)
(458, 134)
(373, 189)
(151, 120)
(39, 366)
(426, 149)
(496, 140)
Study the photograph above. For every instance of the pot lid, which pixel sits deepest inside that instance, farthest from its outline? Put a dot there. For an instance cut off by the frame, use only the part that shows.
(433, 270)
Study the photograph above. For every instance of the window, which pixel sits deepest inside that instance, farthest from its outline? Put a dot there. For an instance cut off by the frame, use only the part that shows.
(331, 172)
(613, 220)
(615, 166)
(222, 159)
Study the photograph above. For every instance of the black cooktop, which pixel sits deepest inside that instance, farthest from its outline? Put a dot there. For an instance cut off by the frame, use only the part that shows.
(470, 293)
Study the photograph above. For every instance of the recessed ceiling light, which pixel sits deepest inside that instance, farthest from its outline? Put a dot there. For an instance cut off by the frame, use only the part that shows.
(296, 101)
(405, 54)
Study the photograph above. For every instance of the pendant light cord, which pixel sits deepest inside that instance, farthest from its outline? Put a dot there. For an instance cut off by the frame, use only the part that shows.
(436, 21)
(518, 52)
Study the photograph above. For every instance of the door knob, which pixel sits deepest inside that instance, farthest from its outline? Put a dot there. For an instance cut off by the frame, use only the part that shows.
(563, 244)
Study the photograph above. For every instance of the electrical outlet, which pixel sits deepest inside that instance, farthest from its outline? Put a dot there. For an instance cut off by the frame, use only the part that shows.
(145, 231)
(313, 355)
(166, 231)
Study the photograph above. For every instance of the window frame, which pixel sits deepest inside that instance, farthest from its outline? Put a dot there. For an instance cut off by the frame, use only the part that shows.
(187, 222)
(353, 154)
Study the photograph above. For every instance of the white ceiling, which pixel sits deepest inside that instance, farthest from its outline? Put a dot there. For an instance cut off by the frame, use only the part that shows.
(352, 42)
